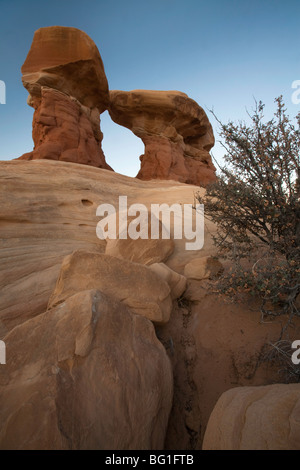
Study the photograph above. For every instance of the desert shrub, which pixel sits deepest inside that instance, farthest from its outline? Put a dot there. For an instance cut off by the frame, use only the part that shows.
(255, 204)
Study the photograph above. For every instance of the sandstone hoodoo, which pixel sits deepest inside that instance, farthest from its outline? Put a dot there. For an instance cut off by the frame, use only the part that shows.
(175, 130)
(67, 85)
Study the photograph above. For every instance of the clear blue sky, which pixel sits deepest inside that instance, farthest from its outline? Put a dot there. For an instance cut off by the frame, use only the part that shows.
(220, 52)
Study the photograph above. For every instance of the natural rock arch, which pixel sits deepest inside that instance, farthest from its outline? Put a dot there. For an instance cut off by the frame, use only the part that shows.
(68, 89)
(175, 130)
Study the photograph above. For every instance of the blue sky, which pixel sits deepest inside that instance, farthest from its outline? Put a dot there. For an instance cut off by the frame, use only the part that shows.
(222, 53)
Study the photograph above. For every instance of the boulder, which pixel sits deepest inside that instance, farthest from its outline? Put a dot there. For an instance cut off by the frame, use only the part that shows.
(256, 418)
(203, 268)
(175, 130)
(135, 285)
(87, 374)
(176, 282)
(68, 89)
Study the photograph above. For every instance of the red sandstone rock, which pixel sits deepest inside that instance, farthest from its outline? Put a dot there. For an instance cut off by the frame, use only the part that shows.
(68, 89)
(175, 130)
(65, 130)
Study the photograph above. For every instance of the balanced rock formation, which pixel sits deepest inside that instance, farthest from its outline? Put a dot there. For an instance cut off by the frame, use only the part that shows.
(256, 418)
(68, 89)
(88, 374)
(175, 130)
